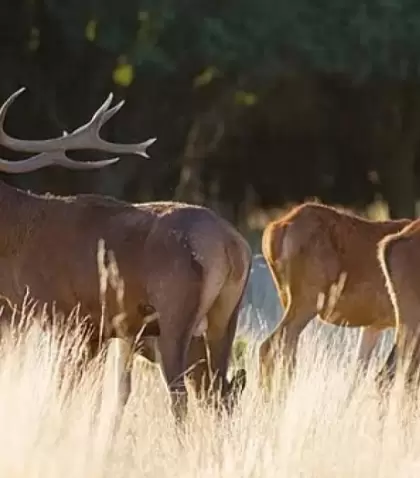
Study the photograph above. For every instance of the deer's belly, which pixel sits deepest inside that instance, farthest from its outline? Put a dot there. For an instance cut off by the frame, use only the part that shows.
(356, 313)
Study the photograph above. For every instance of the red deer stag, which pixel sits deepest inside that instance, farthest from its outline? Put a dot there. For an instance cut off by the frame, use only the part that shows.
(313, 251)
(180, 264)
(399, 259)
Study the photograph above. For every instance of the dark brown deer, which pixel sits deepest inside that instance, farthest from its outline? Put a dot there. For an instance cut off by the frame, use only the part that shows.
(399, 258)
(183, 268)
(324, 262)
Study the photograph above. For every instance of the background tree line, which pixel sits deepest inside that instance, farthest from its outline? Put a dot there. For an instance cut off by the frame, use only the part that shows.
(254, 103)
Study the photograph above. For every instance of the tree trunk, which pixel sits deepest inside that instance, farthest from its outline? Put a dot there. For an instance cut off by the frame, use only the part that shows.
(396, 138)
(399, 185)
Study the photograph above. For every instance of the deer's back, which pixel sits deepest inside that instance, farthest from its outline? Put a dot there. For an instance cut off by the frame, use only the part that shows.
(314, 244)
(364, 300)
(57, 255)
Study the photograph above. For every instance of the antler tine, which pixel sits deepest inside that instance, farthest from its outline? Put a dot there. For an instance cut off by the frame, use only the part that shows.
(61, 159)
(5, 107)
(111, 112)
(97, 119)
(84, 137)
(93, 140)
(51, 158)
(48, 144)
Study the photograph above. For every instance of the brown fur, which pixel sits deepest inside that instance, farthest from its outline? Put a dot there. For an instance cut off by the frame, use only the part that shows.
(399, 258)
(309, 251)
(182, 261)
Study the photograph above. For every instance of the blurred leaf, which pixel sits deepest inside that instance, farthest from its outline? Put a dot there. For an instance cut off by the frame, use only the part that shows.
(91, 30)
(206, 76)
(245, 98)
(123, 74)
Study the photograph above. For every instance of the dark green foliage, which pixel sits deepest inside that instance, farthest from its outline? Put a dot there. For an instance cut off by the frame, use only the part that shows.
(285, 98)
(373, 37)
(239, 351)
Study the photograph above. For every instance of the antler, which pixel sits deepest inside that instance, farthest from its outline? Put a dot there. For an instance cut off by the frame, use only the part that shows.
(52, 158)
(52, 151)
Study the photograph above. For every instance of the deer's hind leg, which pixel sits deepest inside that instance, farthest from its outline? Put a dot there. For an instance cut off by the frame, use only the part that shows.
(212, 351)
(399, 262)
(284, 340)
(303, 301)
(178, 310)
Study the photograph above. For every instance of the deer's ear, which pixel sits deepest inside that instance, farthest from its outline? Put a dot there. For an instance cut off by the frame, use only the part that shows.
(238, 382)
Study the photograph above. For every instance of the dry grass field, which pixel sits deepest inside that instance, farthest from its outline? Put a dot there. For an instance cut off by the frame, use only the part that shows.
(315, 430)
(312, 432)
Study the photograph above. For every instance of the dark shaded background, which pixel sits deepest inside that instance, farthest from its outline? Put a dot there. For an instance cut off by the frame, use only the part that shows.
(254, 103)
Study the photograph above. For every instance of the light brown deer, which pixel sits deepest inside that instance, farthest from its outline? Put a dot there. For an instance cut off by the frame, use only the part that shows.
(313, 251)
(399, 258)
(184, 268)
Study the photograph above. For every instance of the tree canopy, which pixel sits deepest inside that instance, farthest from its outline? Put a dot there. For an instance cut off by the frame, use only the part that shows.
(333, 85)
(360, 38)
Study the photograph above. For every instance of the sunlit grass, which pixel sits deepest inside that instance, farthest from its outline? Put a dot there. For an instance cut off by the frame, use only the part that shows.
(312, 432)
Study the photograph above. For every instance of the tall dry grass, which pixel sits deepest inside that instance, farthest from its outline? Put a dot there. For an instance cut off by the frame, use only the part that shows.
(312, 432)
